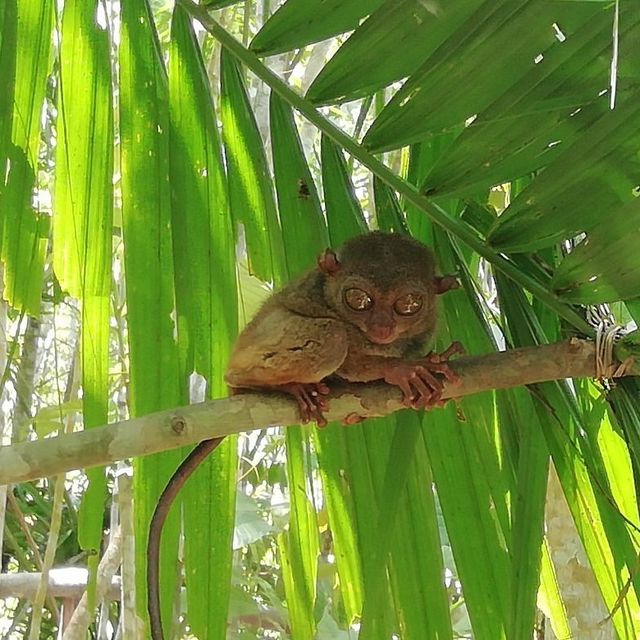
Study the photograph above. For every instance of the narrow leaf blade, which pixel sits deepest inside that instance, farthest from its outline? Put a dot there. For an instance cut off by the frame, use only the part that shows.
(144, 126)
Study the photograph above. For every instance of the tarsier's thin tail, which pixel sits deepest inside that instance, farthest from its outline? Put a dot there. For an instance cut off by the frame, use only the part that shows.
(175, 484)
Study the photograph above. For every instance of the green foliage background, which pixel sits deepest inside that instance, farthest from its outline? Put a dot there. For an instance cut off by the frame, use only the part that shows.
(503, 133)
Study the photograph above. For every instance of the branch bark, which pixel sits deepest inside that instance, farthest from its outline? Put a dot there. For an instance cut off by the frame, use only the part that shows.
(188, 425)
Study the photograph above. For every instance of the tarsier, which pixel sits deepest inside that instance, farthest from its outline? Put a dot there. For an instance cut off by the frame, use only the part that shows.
(366, 312)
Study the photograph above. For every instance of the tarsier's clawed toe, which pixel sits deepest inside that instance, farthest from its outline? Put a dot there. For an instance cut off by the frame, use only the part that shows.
(444, 370)
(439, 362)
(312, 400)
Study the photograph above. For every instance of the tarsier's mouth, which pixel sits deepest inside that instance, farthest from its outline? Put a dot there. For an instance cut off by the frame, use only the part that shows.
(382, 335)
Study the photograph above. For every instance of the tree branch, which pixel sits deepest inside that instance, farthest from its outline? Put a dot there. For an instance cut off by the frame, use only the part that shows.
(63, 582)
(188, 425)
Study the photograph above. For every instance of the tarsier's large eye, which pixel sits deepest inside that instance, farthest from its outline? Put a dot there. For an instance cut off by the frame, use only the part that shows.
(358, 300)
(408, 304)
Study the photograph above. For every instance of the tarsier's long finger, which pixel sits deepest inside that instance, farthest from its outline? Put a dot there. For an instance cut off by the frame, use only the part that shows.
(453, 349)
(317, 412)
(319, 418)
(305, 408)
(425, 374)
(318, 391)
(438, 403)
(435, 383)
(406, 392)
(352, 418)
(422, 402)
(311, 412)
(428, 402)
(311, 401)
(423, 390)
(435, 386)
(323, 389)
(308, 396)
(444, 369)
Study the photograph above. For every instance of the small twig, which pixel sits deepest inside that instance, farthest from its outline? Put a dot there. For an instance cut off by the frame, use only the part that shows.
(31, 543)
(49, 555)
(109, 563)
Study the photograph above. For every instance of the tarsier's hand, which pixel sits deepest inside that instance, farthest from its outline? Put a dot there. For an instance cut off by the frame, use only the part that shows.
(311, 398)
(421, 388)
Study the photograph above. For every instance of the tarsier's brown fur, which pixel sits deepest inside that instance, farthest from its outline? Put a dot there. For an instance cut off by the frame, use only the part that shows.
(308, 333)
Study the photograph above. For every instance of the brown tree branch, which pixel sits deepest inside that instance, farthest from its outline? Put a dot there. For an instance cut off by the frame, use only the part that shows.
(188, 425)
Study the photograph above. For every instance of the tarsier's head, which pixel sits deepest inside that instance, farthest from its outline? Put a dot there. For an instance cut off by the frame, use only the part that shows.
(385, 284)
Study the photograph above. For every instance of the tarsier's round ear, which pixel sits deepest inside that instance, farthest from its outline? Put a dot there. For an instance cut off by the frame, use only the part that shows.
(445, 283)
(328, 262)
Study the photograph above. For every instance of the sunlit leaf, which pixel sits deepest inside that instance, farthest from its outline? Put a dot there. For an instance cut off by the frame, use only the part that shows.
(300, 22)
(250, 186)
(599, 173)
(25, 230)
(303, 227)
(388, 213)
(604, 534)
(204, 251)
(344, 214)
(304, 234)
(527, 127)
(390, 45)
(82, 232)
(523, 28)
(146, 213)
(8, 47)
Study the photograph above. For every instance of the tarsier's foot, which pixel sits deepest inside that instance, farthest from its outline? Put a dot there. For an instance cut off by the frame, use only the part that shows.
(311, 400)
(421, 388)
